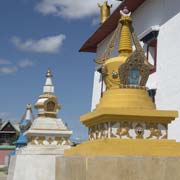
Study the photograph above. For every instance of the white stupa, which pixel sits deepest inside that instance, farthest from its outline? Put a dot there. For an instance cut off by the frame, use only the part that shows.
(48, 137)
(48, 133)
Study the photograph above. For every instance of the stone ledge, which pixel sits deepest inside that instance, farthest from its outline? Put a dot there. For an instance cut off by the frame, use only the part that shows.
(117, 167)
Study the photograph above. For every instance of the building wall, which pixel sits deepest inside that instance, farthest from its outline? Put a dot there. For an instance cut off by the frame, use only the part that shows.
(32, 167)
(4, 156)
(167, 78)
(166, 14)
(97, 84)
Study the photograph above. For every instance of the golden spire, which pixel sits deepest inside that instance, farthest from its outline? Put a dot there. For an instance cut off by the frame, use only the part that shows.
(105, 11)
(49, 74)
(125, 44)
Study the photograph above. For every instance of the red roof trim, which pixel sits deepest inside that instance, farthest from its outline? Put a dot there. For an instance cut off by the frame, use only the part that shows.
(108, 26)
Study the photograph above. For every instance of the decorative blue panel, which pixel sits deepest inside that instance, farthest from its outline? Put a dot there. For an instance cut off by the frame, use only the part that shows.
(134, 77)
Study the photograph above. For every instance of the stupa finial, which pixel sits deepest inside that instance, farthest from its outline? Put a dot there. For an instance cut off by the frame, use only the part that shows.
(125, 44)
(49, 74)
(28, 115)
(28, 107)
(47, 104)
(48, 87)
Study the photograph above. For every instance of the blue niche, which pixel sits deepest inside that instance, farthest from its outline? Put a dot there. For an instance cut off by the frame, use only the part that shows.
(134, 77)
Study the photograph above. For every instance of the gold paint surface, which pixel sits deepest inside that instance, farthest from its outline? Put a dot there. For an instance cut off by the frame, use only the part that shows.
(130, 147)
(105, 11)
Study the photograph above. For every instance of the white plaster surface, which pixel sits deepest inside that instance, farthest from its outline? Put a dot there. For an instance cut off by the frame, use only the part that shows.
(34, 167)
(48, 126)
(96, 89)
(48, 88)
(43, 149)
(48, 123)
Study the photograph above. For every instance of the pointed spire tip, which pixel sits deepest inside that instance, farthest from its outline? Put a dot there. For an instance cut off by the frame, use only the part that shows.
(28, 106)
(49, 74)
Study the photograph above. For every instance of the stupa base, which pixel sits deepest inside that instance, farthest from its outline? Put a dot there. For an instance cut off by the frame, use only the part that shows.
(117, 167)
(130, 147)
(35, 162)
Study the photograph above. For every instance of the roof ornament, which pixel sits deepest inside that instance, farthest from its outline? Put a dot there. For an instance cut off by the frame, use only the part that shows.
(105, 11)
(111, 44)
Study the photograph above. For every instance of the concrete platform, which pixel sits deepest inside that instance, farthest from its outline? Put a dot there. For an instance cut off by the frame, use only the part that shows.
(32, 167)
(117, 168)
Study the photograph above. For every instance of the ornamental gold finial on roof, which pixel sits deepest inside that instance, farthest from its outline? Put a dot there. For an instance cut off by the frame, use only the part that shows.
(105, 11)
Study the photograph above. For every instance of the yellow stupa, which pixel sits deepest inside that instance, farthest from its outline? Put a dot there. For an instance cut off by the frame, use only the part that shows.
(126, 121)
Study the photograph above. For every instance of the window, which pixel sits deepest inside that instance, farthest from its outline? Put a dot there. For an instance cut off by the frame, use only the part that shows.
(152, 54)
(149, 38)
(4, 138)
(51, 106)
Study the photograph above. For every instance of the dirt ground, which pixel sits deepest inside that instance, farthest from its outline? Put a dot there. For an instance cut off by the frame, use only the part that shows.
(3, 176)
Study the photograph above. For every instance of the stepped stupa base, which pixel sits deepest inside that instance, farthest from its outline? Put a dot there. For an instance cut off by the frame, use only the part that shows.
(35, 162)
(42, 150)
(99, 167)
(116, 114)
(126, 147)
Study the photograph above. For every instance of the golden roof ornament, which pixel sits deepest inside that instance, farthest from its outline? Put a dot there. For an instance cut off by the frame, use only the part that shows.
(105, 11)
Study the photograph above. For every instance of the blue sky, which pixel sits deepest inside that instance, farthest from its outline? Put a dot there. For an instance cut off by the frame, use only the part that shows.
(35, 35)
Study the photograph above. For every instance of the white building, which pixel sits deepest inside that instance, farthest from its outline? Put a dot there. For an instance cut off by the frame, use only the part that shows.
(157, 24)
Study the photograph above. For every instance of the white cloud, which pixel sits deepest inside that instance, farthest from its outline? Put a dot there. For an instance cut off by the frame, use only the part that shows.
(7, 67)
(71, 9)
(4, 62)
(51, 44)
(7, 116)
(4, 115)
(8, 70)
(96, 21)
(26, 63)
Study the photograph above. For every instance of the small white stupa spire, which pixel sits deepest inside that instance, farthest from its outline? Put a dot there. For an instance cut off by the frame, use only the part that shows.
(47, 104)
(28, 115)
(48, 87)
